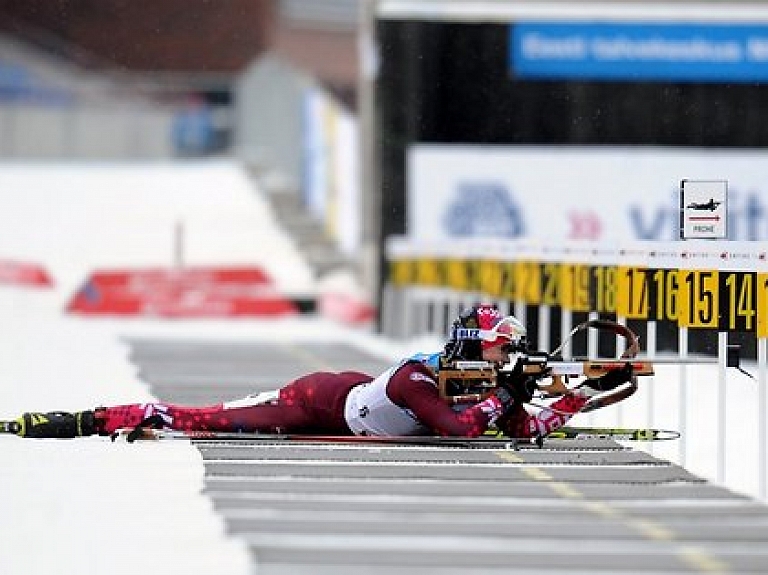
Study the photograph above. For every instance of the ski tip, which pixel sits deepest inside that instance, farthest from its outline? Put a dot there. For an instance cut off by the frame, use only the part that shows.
(12, 427)
(617, 434)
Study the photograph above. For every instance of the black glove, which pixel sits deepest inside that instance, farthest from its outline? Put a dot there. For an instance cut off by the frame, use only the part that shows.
(515, 387)
(613, 378)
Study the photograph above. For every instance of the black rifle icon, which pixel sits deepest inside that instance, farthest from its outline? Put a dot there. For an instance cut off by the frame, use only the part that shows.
(711, 205)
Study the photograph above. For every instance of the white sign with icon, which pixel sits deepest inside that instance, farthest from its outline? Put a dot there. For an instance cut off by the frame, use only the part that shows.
(703, 209)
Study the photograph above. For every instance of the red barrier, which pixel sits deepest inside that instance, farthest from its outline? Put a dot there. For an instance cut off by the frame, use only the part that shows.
(345, 309)
(193, 277)
(27, 274)
(188, 292)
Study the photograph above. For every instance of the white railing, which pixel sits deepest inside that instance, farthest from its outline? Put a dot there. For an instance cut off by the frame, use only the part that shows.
(699, 286)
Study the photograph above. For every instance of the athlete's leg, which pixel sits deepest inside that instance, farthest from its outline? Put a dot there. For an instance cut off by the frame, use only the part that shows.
(107, 420)
(264, 417)
(313, 403)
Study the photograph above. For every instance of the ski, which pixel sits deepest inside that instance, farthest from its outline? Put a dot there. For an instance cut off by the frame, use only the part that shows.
(495, 441)
(616, 433)
(491, 440)
(10, 427)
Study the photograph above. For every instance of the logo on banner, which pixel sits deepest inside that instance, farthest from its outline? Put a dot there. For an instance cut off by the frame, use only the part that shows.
(483, 209)
(584, 226)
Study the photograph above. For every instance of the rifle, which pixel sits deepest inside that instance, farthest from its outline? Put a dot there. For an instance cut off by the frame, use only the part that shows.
(473, 381)
(541, 365)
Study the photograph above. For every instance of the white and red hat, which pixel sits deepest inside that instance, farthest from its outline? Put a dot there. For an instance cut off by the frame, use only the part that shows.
(481, 327)
(496, 329)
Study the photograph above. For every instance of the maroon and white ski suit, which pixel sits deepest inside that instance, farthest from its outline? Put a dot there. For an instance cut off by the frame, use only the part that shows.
(404, 400)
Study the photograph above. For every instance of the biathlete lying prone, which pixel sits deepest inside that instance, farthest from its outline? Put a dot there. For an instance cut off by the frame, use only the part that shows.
(405, 400)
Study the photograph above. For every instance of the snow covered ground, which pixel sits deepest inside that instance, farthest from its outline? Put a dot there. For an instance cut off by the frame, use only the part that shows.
(84, 505)
(73, 217)
(90, 505)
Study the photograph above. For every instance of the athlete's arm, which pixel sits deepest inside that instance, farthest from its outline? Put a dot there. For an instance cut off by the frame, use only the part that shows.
(414, 387)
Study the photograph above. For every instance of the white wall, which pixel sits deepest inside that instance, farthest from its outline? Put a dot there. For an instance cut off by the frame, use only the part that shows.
(94, 132)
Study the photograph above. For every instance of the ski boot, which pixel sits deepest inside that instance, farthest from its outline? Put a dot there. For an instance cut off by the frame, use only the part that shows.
(56, 424)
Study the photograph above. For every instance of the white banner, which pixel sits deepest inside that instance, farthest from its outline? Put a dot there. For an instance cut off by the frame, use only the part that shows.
(331, 182)
(575, 193)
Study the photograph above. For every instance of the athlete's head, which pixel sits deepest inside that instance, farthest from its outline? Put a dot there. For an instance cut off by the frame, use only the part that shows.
(482, 333)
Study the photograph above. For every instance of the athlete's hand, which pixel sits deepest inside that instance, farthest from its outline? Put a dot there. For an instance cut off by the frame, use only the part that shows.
(515, 387)
(614, 378)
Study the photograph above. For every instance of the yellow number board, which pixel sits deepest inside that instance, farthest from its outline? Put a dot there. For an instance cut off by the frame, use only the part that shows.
(632, 293)
(698, 298)
(738, 301)
(575, 287)
(762, 304)
(528, 282)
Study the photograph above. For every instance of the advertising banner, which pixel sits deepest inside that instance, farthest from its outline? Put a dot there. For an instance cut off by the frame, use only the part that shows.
(24, 274)
(575, 193)
(632, 51)
(181, 293)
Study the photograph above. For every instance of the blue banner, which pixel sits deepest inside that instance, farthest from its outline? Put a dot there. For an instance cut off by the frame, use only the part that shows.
(640, 51)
